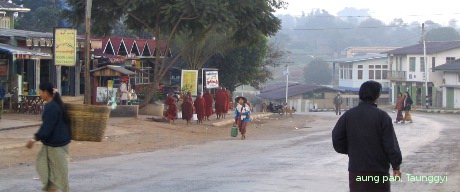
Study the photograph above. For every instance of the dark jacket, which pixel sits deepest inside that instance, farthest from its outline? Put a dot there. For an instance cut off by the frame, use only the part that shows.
(367, 135)
(53, 132)
(408, 104)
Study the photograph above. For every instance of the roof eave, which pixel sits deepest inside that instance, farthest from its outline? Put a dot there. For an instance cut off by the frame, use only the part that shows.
(21, 10)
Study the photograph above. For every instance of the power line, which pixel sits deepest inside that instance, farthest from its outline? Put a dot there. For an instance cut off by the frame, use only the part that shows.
(340, 28)
(367, 16)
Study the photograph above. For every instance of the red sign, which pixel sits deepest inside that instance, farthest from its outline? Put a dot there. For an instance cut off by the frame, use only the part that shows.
(3, 70)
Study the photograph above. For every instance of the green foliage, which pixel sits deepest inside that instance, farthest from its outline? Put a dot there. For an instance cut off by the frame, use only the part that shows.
(318, 72)
(443, 34)
(244, 65)
(43, 15)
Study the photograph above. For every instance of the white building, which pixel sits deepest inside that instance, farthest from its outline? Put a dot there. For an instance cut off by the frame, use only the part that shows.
(451, 84)
(351, 73)
(406, 70)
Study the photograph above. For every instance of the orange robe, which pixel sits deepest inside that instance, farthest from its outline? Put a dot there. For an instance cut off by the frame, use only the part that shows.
(220, 103)
(209, 109)
(200, 108)
(171, 113)
(187, 110)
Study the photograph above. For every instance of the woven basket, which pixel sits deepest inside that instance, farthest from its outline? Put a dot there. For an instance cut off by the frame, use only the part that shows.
(87, 122)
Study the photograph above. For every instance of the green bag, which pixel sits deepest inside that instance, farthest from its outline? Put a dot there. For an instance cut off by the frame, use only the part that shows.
(234, 131)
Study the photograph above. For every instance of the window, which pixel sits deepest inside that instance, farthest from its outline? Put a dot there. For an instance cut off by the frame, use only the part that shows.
(360, 71)
(346, 71)
(143, 77)
(450, 59)
(412, 64)
(433, 63)
(422, 64)
(371, 71)
(5, 23)
(384, 71)
(378, 72)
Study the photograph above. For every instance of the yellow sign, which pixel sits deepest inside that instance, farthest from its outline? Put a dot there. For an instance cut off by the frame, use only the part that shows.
(189, 81)
(110, 84)
(65, 46)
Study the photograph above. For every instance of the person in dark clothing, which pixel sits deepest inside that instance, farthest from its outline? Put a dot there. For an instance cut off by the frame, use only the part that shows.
(366, 134)
(2, 97)
(52, 160)
(407, 107)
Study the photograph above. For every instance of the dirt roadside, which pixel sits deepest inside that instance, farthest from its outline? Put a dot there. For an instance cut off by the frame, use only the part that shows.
(126, 135)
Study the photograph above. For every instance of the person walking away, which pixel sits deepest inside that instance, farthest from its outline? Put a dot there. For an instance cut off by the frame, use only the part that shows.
(209, 101)
(338, 104)
(220, 103)
(408, 107)
(187, 110)
(200, 108)
(242, 115)
(399, 108)
(171, 113)
(124, 91)
(2, 97)
(54, 133)
(227, 104)
(365, 133)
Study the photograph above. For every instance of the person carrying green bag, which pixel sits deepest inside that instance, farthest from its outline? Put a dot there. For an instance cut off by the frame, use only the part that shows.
(242, 115)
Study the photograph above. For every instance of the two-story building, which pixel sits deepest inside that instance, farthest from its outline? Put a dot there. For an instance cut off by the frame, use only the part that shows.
(451, 84)
(351, 73)
(406, 70)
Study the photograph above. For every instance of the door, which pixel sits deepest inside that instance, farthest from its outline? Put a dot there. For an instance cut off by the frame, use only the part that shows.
(450, 98)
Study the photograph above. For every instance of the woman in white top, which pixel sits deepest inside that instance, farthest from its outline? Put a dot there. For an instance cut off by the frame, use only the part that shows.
(242, 115)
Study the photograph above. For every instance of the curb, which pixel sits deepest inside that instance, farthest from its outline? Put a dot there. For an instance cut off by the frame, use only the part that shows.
(19, 127)
(440, 111)
(230, 121)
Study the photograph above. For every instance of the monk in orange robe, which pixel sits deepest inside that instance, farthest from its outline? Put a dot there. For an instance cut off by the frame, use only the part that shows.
(220, 103)
(227, 102)
(209, 109)
(187, 110)
(200, 108)
(171, 113)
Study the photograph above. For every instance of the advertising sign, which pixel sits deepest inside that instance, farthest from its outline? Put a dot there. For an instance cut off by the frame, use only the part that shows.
(189, 81)
(65, 46)
(212, 79)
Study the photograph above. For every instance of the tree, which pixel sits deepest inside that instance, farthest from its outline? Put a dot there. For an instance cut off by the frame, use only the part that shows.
(318, 72)
(247, 65)
(443, 34)
(213, 43)
(164, 19)
(43, 15)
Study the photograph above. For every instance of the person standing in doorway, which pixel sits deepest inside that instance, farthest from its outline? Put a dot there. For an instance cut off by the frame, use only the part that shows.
(365, 133)
(338, 104)
(399, 108)
(242, 115)
(54, 133)
(408, 107)
(124, 91)
(2, 97)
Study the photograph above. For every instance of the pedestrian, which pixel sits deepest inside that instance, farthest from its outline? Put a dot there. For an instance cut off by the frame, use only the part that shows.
(200, 108)
(2, 97)
(187, 109)
(408, 107)
(209, 101)
(220, 103)
(338, 104)
(227, 104)
(171, 112)
(242, 115)
(54, 133)
(399, 108)
(124, 91)
(366, 134)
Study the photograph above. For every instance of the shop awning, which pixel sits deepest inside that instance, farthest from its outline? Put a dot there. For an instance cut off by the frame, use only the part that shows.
(21, 51)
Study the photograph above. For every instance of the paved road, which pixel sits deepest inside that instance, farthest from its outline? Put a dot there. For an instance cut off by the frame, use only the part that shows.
(302, 160)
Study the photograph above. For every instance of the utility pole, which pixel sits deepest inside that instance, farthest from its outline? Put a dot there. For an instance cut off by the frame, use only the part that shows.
(425, 62)
(88, 52)
(287, 76)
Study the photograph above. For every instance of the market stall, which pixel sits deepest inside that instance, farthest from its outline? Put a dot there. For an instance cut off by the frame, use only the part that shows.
(106, 82)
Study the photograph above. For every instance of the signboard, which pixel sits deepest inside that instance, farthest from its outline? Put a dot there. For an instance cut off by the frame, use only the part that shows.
(189, 81)
(104, 94)
(212, 79)
(110, 84)
(65, 46)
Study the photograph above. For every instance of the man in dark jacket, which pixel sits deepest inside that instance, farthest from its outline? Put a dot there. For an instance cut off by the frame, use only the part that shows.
(366, 134)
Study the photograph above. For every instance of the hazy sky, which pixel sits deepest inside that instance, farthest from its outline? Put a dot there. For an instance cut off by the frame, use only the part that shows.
(440, 11)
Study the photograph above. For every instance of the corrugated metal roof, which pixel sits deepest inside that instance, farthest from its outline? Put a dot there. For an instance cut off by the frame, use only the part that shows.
(431, 47)
(452, 66)
(295, 91)
(5, 6)
(22, 51)
(23, 33)
(359, 58)
(116, 68)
